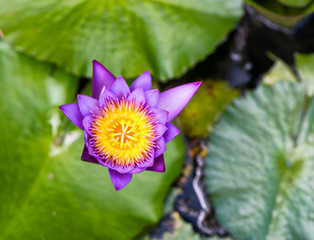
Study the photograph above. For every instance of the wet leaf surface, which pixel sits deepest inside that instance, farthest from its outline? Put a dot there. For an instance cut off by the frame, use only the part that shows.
(128, 37)
(259, 171)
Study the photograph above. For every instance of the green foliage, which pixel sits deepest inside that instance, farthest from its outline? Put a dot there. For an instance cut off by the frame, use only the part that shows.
(128, 37)
(283, 12)
(295, 3)
(260, 169)
(47, 192)
(304, 71)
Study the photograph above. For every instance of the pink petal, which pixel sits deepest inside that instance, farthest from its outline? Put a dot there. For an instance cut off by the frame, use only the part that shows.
(120, 87)
(101, 77)
(87, 105)
(87, 157)
(152, 97)
(138, 96)
(159, 165)
(171, 132)
(175, 99)
(143, 81)
(72, 111)
(119, 180)
(161, 147)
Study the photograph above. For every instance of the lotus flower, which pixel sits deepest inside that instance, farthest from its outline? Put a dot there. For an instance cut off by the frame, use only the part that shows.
(126, 128)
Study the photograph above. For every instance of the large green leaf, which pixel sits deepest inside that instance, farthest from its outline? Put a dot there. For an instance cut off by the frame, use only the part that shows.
(127, 36)
(260, 169)
(46, 191)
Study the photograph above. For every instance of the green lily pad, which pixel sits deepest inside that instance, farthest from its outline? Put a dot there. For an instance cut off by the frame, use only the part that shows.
(295, 3)
(282, 72)
(211, 98)
(305, 63)
(279, 72)
(47, 192)
(128, 37)
(260, 169)
(280, 14)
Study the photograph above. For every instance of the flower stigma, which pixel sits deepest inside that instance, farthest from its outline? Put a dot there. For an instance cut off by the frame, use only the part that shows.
(123, 133)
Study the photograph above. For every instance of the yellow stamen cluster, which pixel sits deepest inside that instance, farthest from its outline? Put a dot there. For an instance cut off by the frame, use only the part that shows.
(124, 132)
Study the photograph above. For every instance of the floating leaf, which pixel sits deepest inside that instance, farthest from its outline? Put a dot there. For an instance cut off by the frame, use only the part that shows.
(128, 37)
(260, 169)
(295, 3)
(47, 192)
(280, 14)
(282, 72)
(279, 72)
(305, 63)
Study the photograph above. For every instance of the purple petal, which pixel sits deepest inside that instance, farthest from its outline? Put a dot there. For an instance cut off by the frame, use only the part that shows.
(87, 105)
(122, 169)
(120, 87)
(104, 94)
(137, 170)
(138, 96)
(72, 111)
(143, 81)
(91, 150)
(159, 165)
(160, 130)
(171, 133)
(152, 98)
(87, 157)
(87, 122)
(161, 147)
(86, 138)
(175, 99)
(119, 180)
(161, 116)
(101, 77)
(149, 162)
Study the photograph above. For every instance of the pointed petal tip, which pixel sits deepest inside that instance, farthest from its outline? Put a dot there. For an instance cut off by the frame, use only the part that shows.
(120, 87)
(101, 77)
(144, 81)
(95, 61)
(119, 180)
(175, 99)
(159, 165)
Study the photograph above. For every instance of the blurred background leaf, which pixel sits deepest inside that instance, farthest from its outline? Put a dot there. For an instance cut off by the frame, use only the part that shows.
(128, 37)
(260, 172)
(198, 116)
(304, 71)
(295, 3)
(47, 192)
(283, 12)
